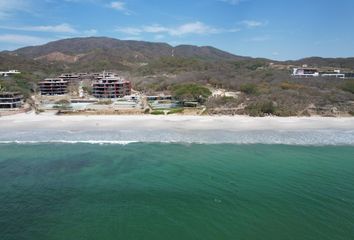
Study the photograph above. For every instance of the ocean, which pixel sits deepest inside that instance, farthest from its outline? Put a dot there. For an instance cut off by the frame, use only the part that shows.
(176, 191)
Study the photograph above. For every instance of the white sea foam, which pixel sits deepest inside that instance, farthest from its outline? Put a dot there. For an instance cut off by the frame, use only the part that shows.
(314, 137)
(99, 142)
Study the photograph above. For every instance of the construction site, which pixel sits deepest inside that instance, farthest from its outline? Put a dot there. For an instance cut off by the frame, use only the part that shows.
(106, 93)
(88, 93)
(11, 100)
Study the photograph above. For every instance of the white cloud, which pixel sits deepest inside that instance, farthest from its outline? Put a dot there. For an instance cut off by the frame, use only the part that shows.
(155, 29)
(195, 28)
(22, 39)
(120, 6)
(8, 7)
(61, 28)
(184, 29)
(232, 2)
(253, 23)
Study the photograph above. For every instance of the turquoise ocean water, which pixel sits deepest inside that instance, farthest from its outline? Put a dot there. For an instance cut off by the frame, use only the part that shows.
(176, 191)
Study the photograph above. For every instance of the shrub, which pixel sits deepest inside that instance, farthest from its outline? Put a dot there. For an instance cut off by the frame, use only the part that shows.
(290, 86)
(248, 88)
(62, 102)
(158, 112)
(87, 89)
(174, 111)
(2, 88)
(255, 66)
(62, 107)
(190, 92)
(348, 86)
(105, 102)
(261, 109)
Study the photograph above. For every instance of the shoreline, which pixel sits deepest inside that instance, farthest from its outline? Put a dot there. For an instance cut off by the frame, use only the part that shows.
(103, 129)
(225, 122)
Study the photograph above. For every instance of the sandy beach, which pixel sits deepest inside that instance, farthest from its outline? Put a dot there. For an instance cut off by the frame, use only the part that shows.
(31, 121)
(29, 127)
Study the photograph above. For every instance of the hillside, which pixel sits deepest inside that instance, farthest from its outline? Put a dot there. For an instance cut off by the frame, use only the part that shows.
(126, 50)
(86, 54)
(156, 67)
(97, 53)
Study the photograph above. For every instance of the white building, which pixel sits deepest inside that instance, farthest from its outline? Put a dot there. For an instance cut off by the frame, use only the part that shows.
(335, 73)
(9, 73)
(305, 72)
(312, 72)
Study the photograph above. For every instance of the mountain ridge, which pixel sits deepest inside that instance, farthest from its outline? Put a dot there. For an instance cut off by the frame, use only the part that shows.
(80, 54)
(97, 53)
(146, 50)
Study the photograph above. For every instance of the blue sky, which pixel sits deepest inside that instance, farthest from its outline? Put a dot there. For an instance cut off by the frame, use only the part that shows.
(276, 29)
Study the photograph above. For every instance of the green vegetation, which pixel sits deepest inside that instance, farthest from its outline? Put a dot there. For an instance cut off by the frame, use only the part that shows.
(62, 105)
(256, 65)
(167, 111)
(261, 109)
(2, 89)
(290, 86)
(105, 102)
(226, 100)
(348, 86)
(158, 112)
(248, 88)
(251, 65)
(87, 89)
(190, 92)
(175, 111)
(173, 65)
(24, 83)
(62, 102)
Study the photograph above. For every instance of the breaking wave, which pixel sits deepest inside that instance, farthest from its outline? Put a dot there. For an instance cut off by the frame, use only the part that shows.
(313, 137)
(69, 142)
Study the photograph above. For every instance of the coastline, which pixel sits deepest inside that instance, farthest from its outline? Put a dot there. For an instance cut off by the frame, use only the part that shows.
(219, 122)
(105, 129)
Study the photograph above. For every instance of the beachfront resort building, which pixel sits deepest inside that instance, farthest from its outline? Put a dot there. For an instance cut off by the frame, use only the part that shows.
(10, 100)
(53, 86)
(111, 87)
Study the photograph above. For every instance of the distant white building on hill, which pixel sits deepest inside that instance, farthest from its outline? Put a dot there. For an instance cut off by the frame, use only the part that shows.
(335, 73)
(313, 72)
(9, 73)
(305, 72)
